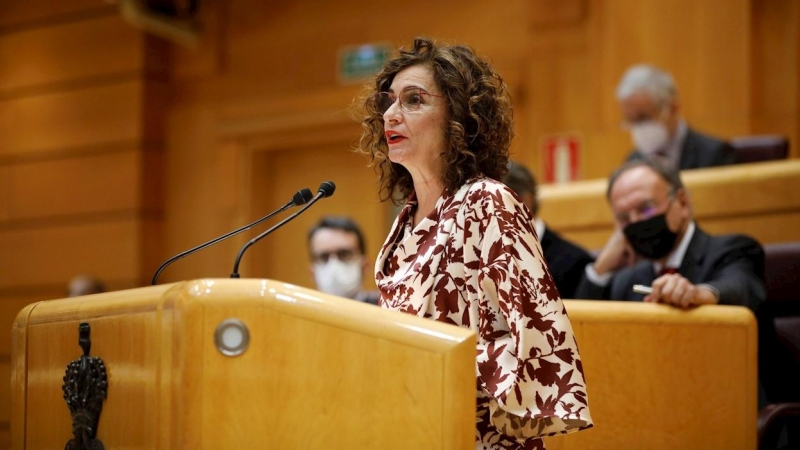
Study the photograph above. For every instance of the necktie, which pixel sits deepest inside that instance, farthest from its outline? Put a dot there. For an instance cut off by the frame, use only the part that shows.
(662, 153)
(666, 270)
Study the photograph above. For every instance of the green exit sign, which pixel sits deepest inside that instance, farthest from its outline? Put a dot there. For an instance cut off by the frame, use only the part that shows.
(359, 62)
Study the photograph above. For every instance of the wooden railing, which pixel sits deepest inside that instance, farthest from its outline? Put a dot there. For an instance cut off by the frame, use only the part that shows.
(761, 200)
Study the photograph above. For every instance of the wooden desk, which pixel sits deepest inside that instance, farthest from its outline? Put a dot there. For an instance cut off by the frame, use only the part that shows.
(662, 378)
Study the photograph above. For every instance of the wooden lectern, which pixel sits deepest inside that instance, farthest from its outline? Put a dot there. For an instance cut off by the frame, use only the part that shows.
(245, 364)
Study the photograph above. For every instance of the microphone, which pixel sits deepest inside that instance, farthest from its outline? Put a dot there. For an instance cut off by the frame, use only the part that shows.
(300, 197)
(325, 190)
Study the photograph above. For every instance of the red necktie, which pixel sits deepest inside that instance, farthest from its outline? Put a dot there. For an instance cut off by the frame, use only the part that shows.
(667, 270)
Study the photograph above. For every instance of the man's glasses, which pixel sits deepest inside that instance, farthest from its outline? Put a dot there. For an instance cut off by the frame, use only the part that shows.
(411, 99)
(644, 117)
(644, 211)
(343, 255)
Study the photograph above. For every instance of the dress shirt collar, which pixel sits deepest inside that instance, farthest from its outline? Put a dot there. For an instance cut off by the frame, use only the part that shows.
(538, 225)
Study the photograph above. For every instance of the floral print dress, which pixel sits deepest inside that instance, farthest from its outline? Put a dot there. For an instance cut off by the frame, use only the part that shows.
(476, 262)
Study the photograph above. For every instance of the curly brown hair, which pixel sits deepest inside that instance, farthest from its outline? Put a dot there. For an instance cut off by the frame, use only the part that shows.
(480, 120)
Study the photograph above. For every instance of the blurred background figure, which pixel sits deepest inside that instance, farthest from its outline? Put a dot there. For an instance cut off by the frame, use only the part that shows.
(657, 243)
(84, 285)
(565, 260)
(651, 112)
(338, 262)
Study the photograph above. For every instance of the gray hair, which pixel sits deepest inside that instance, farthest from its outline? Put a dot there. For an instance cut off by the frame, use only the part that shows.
(669, 174)
(642, 77)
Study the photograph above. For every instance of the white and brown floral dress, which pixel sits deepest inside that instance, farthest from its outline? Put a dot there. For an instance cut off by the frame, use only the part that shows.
(475, 261)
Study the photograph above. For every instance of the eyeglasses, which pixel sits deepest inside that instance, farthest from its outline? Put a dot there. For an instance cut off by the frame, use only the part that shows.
(644, 117)
(644, 211)
(343, 255)
(411, 99)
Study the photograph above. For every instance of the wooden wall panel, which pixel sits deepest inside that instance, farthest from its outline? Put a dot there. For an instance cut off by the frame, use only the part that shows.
(192, 197)
(5, 197)
(69, 52)
(766, 229)
(16, 13)
(776, 70)
(69, 187)
(254, 65)
(284, 255)
(579, 68)
(80, 140)
(63, 121)
(73, 186)
(53, 255)
(703, 44)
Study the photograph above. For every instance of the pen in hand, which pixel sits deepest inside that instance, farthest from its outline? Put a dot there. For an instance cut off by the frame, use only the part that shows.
(642, 289)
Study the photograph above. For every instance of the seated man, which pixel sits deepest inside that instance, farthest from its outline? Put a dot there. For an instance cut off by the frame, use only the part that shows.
(657, 244)
(565, 260)
(651, 111)
(336, 246)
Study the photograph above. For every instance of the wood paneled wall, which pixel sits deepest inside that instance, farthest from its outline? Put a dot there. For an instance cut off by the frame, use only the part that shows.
(735, 64)
(80, 155)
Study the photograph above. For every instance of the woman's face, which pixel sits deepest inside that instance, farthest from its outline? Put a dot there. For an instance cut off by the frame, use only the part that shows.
(416, 137)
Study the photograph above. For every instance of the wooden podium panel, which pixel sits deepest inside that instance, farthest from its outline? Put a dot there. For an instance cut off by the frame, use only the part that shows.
(319, 371)
(662, 378)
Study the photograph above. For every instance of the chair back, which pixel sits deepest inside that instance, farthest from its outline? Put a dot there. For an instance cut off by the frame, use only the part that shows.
(780, 323)
(757, 148)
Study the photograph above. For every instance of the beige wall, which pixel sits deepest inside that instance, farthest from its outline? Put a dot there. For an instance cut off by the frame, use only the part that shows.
(117, 151)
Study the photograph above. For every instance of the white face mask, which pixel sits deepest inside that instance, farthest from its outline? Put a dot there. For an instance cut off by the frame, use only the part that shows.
(338, 278)
(649, 137)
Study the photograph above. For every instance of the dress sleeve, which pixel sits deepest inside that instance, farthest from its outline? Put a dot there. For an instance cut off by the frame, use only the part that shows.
(528, 362)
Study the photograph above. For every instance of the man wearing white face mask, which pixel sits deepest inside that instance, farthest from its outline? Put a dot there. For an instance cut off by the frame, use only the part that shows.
(649, 102)
(336, 246)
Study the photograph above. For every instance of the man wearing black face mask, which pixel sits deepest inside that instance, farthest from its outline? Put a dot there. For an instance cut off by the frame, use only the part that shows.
(656, 243)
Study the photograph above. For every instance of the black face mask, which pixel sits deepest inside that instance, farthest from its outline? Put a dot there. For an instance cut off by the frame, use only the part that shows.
(651, 238)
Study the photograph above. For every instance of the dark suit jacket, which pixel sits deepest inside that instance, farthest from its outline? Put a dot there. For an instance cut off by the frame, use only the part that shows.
(700, 151)
(565, 260)
(733, 264)
(370, 297)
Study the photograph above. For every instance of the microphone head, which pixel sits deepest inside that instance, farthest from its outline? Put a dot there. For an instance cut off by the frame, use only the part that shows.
(326, 188)
(302, 197)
